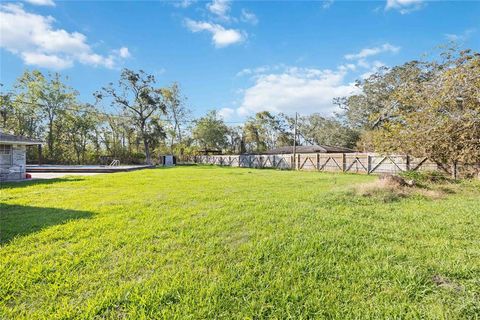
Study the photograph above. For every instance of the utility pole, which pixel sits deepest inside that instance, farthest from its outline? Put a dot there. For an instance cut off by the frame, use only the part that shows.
(295, 143)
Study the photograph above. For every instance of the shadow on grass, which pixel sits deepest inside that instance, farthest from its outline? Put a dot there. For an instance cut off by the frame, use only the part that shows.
(16, 220)
(34, 182)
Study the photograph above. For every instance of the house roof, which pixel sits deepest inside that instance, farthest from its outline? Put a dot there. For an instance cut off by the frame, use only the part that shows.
(7, 138)
(309, 149)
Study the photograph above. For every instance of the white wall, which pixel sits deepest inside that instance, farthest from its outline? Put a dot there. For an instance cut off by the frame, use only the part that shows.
(15, 168)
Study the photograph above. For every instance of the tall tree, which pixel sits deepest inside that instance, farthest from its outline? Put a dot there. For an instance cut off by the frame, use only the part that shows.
(423, 108)
(440, 117)
(177, 114)
(137, 96)
(49, 95)
(376, 104)
(316, 129)
(81, 123)
(6, 107)
(266, 131)
(235, 142)
(210, 131)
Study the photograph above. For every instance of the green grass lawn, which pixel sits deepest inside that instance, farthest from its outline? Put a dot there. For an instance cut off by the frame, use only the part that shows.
(230, 243)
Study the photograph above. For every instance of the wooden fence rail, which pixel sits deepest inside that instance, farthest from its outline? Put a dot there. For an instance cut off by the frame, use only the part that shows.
(367, 163)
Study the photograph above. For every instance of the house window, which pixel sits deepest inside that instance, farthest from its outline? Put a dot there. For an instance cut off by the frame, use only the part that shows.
(5, 154)
(5, 149)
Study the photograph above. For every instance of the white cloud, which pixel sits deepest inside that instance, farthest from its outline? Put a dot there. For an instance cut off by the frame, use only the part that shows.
(34, 38)
(363, 63)
(348, 66)
(404, 6)
(123, 52)
(280, 88)
(327, 3)
(226, 113)
(373, 67)
(256, 71)
(41, 2)
(460, 37)
(183, 3)
(220, 13)
(303, 90)
(221, 37)
(220, 8)
(96, 59)
(46, 61)
(367, 52)
(249, 17)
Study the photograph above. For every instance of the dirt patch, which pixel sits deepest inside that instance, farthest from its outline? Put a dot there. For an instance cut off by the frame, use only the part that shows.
(389, 188)
(383, 189)
(446, 283)
(394, 180)
(431, 194)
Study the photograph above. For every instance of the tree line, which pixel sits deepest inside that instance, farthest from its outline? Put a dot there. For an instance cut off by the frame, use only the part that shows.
(428, 107)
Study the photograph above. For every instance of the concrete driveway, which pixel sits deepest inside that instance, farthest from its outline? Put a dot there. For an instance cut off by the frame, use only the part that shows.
(54, 175)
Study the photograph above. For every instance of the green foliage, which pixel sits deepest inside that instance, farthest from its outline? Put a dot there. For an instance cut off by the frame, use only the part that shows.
(178, 114)
(423, 177)
(138, 97)
(45, 107)
(210, 132)
(231, 243)
(80, 124)
(327, 131)
(422, 108)
(266, 131)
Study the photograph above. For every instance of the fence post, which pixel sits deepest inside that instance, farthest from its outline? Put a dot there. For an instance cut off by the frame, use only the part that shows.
(407, 163)
(454, 170)
(318, 161)
(298, 162)
(369, 164)
(344, 162)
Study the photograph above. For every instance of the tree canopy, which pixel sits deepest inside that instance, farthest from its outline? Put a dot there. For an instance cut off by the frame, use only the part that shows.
(422, 108)
(428, 107)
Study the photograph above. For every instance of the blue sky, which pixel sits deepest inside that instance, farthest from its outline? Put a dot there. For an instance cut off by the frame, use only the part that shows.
(238, 57)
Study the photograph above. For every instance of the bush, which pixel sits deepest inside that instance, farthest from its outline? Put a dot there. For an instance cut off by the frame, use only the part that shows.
(423, 177)
(136, 158)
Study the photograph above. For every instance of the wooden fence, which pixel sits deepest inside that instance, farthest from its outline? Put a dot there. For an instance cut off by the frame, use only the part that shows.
(367, 163)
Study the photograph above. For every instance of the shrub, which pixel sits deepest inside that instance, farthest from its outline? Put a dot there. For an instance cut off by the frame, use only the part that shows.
(423, 177)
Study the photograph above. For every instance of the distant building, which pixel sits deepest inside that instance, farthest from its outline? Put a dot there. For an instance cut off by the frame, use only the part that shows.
(309, 149)
(167, 160)
(13, 156)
